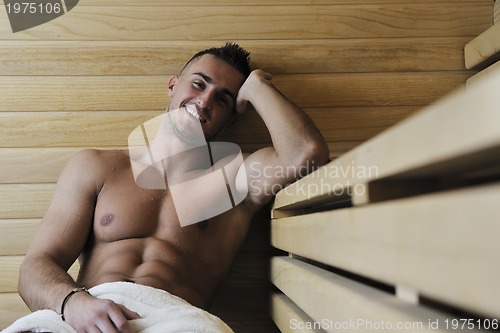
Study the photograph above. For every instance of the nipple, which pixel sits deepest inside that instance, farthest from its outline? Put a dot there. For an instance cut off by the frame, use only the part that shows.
(107, 219)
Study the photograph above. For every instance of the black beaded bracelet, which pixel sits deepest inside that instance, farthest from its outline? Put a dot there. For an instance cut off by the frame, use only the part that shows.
(68, 296)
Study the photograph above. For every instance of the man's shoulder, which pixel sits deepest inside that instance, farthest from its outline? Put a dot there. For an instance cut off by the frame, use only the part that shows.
(97, 162)
(99, 156)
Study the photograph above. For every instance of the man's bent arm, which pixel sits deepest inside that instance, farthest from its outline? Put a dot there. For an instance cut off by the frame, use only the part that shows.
(59, 240)
(61, 236)
(298, 146)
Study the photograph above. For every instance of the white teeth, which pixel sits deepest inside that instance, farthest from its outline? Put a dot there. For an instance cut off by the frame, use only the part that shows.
(194, 114)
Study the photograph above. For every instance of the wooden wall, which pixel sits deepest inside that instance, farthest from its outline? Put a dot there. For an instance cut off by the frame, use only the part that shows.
(89, 77)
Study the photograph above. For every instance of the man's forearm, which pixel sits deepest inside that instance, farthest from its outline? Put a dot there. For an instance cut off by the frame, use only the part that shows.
(43, 284)
(293, 133)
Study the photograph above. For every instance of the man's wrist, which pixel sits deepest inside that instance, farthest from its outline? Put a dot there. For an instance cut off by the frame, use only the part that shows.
(68, 296)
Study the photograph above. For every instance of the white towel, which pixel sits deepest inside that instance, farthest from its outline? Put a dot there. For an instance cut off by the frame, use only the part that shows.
(160, 312)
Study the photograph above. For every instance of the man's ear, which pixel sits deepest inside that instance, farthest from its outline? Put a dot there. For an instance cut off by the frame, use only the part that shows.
(171, 85)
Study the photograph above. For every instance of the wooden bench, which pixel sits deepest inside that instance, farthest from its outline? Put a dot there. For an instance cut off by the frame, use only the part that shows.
(89, 77)
(401, 229)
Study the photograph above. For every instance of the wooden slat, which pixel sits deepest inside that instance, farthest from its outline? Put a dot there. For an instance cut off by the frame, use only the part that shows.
(289, 317)
(109, 93)
(57, 93)
(166, 57)
(12, 307)
(326, 296)
(9, 266)
(33, 165)
(15, 236)
(454, 134)
(441, 245)
(24, 201)
(248, 22)
(108, 128)
(496, 12)
(43, 129)
(487, 72)
(243, 2)
(483, 49)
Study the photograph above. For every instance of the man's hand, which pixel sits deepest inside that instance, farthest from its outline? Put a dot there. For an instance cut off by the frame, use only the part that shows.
(247, 90)
(88, 314)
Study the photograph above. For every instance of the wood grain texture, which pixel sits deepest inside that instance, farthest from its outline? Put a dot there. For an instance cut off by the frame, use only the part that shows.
(332, 300)
(285, 56)
(28, 201)
(284, 312)
(441, 245)
(484, 49)
(249, 22)
(496, 12)
(15, 235)
(243, 2)
(12, 308)
(460, 132)
(135, 93)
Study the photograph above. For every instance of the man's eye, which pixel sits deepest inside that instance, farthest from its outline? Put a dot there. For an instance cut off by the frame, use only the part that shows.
(198, 85)
(223, 101)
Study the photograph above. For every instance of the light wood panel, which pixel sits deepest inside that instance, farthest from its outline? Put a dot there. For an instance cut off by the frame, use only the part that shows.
(484, 49)
(248, 22)
(487, 72)
(132, 93)
(242, 2)
(286, 56)
(33, 165)
(496, 12)
(15, 235)
(107, 128)
(24, 201)
(441, 245)
(468, 138)
(339, 303)
(12, 308)
(62, 93)
(289, 317)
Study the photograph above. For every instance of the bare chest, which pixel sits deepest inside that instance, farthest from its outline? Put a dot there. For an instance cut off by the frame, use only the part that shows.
(125, 211)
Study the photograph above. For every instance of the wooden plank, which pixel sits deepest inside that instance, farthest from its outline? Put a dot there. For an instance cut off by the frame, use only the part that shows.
(496, 12)
(108, 128)
(15, 236)
(33, 165)
(286, 56)
(249, 22)
(484, 49)
(45, 129)
(89, 93)
(43, 165)
(289, 317)
(106, 93)
(9, 266)
(241, 2)
(24, 201)
(455, 134)
(441, 245)
(12, 307)
(338, 303)
(487, 72)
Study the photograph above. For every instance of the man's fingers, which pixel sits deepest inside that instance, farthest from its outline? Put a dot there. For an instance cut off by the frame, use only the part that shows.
(129, 314)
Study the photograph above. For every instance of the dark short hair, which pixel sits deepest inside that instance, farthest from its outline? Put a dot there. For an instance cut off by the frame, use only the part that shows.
(230, 53)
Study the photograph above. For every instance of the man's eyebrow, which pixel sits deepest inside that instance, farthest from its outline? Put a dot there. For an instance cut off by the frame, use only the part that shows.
(209, 80)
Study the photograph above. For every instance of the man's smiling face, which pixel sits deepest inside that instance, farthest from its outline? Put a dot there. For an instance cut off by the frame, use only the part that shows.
(206, 91)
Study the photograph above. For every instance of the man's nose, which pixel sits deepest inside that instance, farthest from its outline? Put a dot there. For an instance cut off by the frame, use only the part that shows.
(205, 99)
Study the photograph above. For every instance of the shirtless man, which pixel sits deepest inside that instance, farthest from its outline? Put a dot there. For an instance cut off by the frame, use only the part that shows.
(123, 232)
